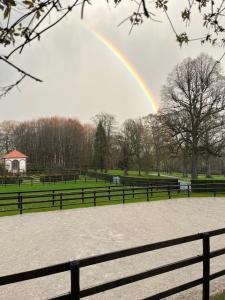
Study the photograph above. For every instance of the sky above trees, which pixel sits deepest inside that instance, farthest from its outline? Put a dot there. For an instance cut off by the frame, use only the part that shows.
(82, 77)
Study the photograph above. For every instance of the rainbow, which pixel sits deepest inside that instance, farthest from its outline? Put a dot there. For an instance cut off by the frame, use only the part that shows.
(130, 68)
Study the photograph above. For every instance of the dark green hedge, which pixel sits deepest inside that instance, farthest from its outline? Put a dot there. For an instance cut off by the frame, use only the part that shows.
(50, 172)
(10, 180)
(137, 181)
(208, 185)
(102, 176)
(58, 177)
(158, 182)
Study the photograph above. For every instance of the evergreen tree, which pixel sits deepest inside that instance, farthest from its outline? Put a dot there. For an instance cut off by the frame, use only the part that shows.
(100, 147)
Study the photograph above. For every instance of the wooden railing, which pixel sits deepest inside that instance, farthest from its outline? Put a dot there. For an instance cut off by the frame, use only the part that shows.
(19, 202)
(74, 268)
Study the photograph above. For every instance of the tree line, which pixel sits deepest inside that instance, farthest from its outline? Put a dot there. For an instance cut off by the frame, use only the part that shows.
(186, 135)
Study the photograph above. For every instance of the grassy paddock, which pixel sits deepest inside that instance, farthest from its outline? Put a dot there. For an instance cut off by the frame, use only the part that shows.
(75, 199)
(51, 186)
(153, 174)
(134, 173)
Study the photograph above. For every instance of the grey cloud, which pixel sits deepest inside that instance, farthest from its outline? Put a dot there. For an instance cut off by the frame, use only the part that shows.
(82, 77)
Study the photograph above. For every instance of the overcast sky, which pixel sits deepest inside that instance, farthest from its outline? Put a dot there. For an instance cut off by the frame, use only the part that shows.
(82, 77)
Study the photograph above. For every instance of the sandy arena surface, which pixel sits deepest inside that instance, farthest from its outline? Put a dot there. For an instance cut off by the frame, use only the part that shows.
(42, 239)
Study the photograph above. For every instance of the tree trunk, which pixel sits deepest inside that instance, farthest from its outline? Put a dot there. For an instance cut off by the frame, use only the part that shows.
(125, 171)
(158, 168)
(139, 170)
(194, 162)
(208, 168)
(185, 169)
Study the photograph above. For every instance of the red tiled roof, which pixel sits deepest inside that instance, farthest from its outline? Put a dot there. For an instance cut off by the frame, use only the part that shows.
(15, 154)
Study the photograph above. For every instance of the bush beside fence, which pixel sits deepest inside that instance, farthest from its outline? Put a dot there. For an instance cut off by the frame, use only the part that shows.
(10, 180)
(212, 185)
(102, 176)
(156, 182)
(57, 178)
(137, 181)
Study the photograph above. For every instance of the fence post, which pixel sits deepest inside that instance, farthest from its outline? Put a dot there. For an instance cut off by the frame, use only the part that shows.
(75, 280)
(94, 198)
(21, 205)
(133, 191)
(60, 201)
(147, 195)
(82, 195)
(206, 267)
(53, 197)
(18, 200)
(109, 193)
(214, 190)
(178, 190)
(188, 191)
(123, 196)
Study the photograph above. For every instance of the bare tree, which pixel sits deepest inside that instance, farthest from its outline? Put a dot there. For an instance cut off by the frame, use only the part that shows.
(194, 102)
(133, 131)
(7, 142)
(54, 143)
(162, 144)
(212, 143)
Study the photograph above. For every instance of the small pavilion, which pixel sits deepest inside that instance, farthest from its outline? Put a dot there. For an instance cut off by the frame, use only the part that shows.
(15, 162)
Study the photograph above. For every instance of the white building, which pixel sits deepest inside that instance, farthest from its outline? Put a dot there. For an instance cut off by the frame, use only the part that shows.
(15, 162)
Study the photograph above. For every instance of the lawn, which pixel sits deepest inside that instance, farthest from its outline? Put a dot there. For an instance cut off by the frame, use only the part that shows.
(153, 174)
(74, 195)
(29, 186)
(135, 174)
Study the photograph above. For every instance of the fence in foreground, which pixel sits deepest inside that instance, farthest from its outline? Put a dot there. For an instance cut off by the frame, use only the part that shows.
(75, 266)
(19, 202)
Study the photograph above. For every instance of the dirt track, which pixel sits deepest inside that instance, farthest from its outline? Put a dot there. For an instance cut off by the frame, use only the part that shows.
(41, 239)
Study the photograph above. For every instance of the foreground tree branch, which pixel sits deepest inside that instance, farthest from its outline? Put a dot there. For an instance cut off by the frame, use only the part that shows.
(23, 21)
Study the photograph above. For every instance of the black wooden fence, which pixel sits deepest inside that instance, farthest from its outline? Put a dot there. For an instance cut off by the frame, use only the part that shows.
(67, 198)
(74, 268)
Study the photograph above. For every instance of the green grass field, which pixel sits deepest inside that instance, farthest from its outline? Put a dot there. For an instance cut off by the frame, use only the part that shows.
(27, 186)
(33, 201)
(135, 174)
(153, 174)
(45, 201)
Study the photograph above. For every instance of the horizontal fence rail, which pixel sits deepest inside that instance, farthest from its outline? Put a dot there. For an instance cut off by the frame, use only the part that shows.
(75, 266)
(25, 201)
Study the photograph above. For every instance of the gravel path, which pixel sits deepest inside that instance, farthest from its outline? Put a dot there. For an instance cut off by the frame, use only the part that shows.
(42, 239)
